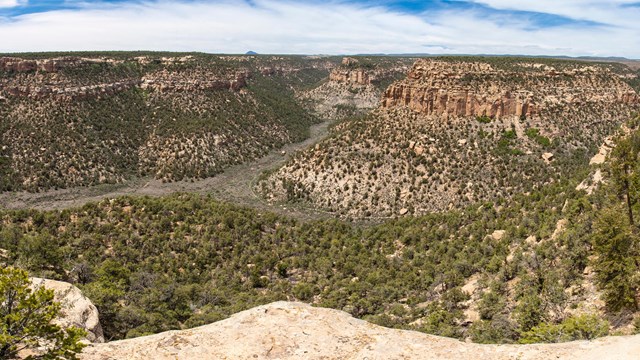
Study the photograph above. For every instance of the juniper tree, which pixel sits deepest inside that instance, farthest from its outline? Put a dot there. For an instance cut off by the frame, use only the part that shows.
(26, 320)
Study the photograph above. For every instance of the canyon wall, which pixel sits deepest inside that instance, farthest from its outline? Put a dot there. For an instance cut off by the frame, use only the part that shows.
(466, 89)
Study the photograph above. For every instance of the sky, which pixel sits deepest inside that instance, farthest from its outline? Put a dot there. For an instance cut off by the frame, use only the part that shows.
(526, 27)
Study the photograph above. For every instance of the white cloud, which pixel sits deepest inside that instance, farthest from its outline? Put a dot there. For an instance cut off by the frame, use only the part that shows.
(612, 12)
(281, 26)
(11, 3)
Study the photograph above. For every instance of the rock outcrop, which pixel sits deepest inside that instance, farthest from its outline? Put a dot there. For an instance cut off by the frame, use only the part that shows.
(175, 81)
(355, 86)
(285, 330)
(45, 83)
(77, 310)
(350, 72)
(15, 64)
(69, 93)
(464, 89)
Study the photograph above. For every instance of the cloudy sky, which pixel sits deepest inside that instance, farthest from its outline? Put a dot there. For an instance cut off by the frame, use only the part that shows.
(533, 27)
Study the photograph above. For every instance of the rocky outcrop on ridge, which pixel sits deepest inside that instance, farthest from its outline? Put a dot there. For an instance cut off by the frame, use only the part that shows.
(197, 80)
(285, 330)
(355, 86)
(351, 73)
(77, 310)
(16, 64)
(435, 87)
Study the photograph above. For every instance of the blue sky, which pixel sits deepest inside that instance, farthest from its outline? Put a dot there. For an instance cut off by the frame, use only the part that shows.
(533, 27)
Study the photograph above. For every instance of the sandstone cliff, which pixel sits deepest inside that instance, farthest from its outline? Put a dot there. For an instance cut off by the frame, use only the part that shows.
(355, 86)
(479, 89)
(284, 330)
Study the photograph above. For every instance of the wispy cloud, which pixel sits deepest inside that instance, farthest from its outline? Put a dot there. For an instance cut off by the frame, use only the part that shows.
(568, 27)
(11, 3)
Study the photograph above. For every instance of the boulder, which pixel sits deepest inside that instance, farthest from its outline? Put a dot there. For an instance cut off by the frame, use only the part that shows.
(77, 309)
(498, 235)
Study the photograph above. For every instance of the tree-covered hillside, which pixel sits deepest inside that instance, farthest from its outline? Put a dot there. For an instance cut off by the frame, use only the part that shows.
(539, 267)
(100, 118)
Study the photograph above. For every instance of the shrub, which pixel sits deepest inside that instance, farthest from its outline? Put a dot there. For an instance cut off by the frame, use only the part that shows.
(582, 327)
(26, 317)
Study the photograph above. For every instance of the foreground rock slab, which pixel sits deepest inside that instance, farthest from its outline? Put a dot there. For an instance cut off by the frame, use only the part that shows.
(286, 330)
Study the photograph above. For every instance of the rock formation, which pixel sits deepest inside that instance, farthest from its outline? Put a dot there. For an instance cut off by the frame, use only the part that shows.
(355, 86)
(71, 93)
(198, 80)
(435, 87)
(285, 330)
(15, 64)
(350, 72)
(77, 310)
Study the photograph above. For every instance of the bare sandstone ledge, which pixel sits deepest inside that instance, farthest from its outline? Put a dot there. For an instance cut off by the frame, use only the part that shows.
(288, 330)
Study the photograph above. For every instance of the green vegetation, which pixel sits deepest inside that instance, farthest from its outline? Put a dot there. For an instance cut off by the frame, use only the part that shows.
(616, 238)
(534, 134)
(484, 119)
(583, 327)
(185, 260)
(507, 143)
(26, 317)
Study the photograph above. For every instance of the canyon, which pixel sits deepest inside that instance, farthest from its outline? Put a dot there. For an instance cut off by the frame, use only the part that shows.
(456, 131)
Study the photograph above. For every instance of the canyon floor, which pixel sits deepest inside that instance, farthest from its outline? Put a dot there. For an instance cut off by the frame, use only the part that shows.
(235, 185)
(288, 330)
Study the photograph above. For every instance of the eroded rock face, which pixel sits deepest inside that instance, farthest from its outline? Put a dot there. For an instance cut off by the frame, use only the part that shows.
(70, 93)
(464, 89)
(77, 310)
(40, 80)
(14, 64)
(352, 76)
(174, 81)
(285, 330)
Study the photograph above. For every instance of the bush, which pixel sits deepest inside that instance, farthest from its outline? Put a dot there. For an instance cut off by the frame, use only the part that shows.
(582, 327)
(534, 134)
(484, 119)
(26, 317)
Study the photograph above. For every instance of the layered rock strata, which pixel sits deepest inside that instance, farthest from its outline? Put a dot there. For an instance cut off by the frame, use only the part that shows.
(465, 89)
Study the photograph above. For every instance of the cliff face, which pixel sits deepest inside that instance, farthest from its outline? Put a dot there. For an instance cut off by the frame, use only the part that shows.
(355, 86)
(172, 81)
(39, 79)
(478, 89)
(14, 64)
(285, 330)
